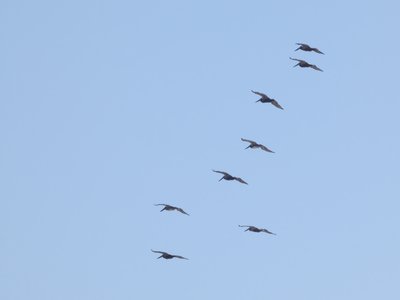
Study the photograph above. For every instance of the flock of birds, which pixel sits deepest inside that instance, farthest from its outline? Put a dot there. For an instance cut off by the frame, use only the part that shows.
(252, 144)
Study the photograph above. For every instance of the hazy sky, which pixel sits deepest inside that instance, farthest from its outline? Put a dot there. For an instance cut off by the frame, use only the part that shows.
(108, 107)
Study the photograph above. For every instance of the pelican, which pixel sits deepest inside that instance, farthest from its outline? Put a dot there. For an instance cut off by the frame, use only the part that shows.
(307, 48)
(265, 99)
(304, 64)
(166, 255)
(229, 177)
(170, 207)
(253, 144)
(255, 229)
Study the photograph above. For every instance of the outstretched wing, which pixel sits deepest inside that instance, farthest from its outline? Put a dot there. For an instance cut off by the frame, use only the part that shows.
(260, 94)
(244, 225)
(315, 68)
(181, 211)
(317, 50)
(240, 180)
(178, 256)
(267, 231)
(161, 252)
(161, 204)
(220, 172)
(301, 44)
(249, 141)
(276, 104)
(266, 149)
(299, 60)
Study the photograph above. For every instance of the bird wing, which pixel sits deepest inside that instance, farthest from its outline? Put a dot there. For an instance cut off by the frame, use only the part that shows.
(267, 231)
(244, 225)
(178, 256)
(276, 104)
(221, 172)
(315, 68)
(260, 94)
(161, 252)
(299, 60)
(317, 50)
(249, 141)
(301, 44)
(240, 180)
(266, 149)
(161, 204)
(181, 210)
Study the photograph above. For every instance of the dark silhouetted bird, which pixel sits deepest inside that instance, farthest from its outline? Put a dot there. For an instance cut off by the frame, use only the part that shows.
(254, 145)
(265, 99)
(304, 64)
(230, 177)
(255, 229)
(307, 48)
(167, 255)
(170, 207)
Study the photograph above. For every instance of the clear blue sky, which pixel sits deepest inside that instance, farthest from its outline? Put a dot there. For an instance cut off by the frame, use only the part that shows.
(108, 107)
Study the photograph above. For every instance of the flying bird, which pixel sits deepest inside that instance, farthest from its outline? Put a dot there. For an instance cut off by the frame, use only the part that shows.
(304, 64)
(307, 48)
(229, 177)
(254, 144)
(255, 229)
(170, 208)
(166, 255)
(265, 99)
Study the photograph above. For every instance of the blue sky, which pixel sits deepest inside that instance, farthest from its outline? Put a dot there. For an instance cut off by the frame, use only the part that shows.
(108, 107)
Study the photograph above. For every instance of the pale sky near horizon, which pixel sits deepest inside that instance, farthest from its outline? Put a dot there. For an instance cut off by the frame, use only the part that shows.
(108, 107)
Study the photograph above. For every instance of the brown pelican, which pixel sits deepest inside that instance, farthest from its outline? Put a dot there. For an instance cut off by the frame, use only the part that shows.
(253, 144)
(167, 255)
(170, 207)
(265, 99)
(230, 177)
(307, 48)
(255, 229)
(304, 64)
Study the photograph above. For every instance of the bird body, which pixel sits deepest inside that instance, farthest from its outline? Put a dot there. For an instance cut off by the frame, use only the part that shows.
(228, 176)
(254, 145)
(303, 64)
(265, 99)
(166, 255)
(168, 207)
(307, 48)
(256, 229)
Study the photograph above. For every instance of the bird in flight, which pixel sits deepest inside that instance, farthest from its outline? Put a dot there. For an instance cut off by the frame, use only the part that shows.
(265, 99)
(303, 64)
(254, 144)
(255, 229)
(307, 48)
(166, 255)
(229, 177)
(170, 208)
